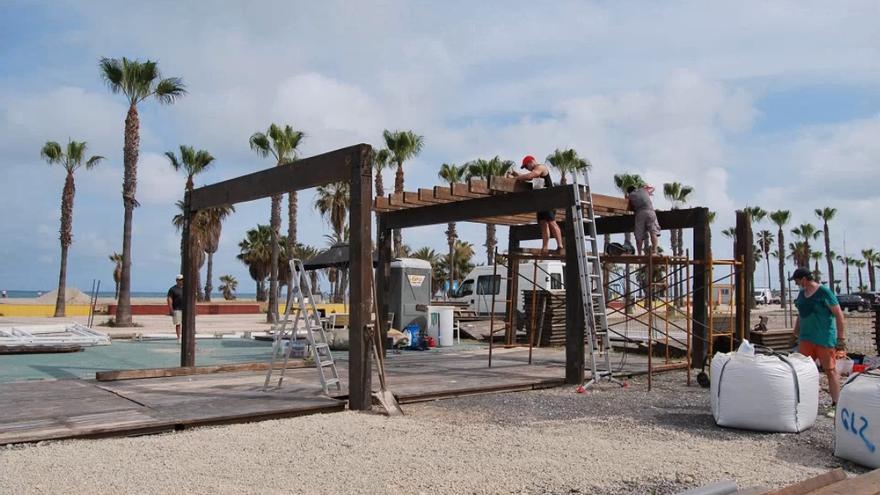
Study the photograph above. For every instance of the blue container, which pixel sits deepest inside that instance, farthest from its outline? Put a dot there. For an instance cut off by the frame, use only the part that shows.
(412, 331)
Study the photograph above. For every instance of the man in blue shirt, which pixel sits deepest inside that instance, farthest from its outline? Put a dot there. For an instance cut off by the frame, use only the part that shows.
(820, 327)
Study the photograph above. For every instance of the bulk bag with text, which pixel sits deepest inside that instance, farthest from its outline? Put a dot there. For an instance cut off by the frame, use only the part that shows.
(857, 422)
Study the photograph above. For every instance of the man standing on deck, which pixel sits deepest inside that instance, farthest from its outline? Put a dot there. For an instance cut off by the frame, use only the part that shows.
(819, 327)
(175, 304)
(546, 219)
(639, 201)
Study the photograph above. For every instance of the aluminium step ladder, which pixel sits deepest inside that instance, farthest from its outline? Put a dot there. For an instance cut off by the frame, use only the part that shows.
(591, 285)
(308, 320)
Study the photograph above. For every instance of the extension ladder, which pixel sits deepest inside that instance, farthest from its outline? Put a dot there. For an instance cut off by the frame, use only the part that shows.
(307, 315)
(590, 280)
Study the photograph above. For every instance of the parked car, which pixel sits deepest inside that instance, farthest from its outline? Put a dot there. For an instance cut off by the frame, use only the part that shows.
(853, 302)
(872, 297)
(763, 296)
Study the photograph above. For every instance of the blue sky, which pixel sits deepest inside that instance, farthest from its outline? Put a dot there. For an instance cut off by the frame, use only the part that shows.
(753, 103)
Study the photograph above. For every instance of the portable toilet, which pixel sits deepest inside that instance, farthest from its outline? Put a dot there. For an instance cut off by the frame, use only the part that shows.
(409, 287)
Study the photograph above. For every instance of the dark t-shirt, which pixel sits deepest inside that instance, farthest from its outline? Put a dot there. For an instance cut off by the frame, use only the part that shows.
(176, 295)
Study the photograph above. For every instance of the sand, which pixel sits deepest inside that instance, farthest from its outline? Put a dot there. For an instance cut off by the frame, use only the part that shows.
(609, 441)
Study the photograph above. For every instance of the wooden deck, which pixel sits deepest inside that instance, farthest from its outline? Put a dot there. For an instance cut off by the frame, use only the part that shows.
(51, 410)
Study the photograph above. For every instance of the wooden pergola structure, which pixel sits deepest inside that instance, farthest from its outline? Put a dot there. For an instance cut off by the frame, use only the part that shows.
(504, 201)
(501, 201)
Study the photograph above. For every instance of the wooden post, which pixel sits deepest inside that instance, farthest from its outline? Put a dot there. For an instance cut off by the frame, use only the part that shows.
(702, 242)
(512, 290)
(383, 272)
(360, 369)
(744, 251)
(190, 275)
(574, 308)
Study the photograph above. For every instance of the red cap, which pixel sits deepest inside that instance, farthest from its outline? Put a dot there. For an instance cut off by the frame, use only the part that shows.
(527, 159)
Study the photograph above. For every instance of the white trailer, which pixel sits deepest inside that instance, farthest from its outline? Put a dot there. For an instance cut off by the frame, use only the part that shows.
(477, 288)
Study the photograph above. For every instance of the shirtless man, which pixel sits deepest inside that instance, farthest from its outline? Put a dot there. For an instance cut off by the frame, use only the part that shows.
(546, 219)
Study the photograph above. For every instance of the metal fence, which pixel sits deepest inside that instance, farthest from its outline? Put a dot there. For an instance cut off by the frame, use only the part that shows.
(861, 330)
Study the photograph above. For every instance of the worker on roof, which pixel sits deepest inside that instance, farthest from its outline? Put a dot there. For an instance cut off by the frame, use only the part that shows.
(546, 219)
(639, 201)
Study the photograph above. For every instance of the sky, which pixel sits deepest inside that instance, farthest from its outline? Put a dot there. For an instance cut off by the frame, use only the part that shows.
(774, 104)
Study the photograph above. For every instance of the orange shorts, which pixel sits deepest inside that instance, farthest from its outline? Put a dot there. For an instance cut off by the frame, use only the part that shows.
(825, 355)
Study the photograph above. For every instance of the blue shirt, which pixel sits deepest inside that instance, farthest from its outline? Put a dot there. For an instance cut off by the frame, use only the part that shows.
(818, 324)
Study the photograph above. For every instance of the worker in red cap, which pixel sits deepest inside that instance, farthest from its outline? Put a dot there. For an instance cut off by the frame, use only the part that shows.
(546, 219)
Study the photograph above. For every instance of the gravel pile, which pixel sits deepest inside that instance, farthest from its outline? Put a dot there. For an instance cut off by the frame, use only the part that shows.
(608, 441)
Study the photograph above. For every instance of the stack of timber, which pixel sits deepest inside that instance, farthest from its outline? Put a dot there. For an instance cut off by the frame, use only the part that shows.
(778, 340)
(549, 316)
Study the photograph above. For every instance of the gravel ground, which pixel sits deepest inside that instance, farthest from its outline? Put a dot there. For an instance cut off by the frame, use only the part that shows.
(608, 441)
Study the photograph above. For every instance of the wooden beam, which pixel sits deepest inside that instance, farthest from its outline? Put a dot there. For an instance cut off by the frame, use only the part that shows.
(866, 484)
(190, 278)
(478, 186)
(383, 275)
(361, 293)
(743, 251)
(574, 309)
(483, 207)
(464, 191)
(410, 200)
(109, 376)
(619, 224)
(809, 485)
(601, 202)
(303, 174)
(702, 253)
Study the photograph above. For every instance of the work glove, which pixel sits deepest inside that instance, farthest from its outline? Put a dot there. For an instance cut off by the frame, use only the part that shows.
(841, 344)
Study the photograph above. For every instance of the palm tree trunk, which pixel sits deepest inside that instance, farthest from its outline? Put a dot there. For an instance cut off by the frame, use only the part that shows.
(860, 278)
(291, 231)
(129, 188)
(828, 257)
(380, 191)
(848, 291)
(60, 303)
(767, 261)
(398, 189)
(871, 274)
(275, 226)
(66, 237)
(261, 290)
(208, 275)
(450, 239)
(781, 251)
(491, 242)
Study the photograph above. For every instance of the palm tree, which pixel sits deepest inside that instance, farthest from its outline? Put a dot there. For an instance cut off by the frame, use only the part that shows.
(816, 256)
(827, 214)
(281, 144)
(138, 81)
(847, 262)
(800, 253)
(213, 228)
(859, 264)
(192, 162)
(333, 202)
(403, 145)
(451, 173)
(677, 194)
(567, 161)
(380, 162)
(871, 257)
(306, 252)
(807, 232)
(464, 253)
(228, 285)
(116, 258)
(436, 261)
(756, 213)
(71, 159)
(765, 242)
(781, 218)
(199, 227)
(485, 169)
(255, 251)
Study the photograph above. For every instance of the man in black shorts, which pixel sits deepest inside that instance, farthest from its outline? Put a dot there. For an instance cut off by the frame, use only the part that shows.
(175, 303)
(546, 219)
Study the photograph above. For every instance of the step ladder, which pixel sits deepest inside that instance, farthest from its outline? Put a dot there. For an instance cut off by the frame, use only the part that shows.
(307, 320)
(590, 280)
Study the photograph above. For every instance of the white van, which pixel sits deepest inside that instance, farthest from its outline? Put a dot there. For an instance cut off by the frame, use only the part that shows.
(477, 288)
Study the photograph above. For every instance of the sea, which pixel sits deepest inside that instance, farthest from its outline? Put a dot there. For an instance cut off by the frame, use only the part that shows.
(31, 294)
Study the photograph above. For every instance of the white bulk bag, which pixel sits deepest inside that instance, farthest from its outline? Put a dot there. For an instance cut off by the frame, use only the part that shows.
(857, 422)
(764, 392)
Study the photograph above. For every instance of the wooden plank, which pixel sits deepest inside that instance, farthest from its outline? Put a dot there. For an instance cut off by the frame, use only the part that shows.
(574, 309)
(484, 207)
(303, 174)
(601, 202)
(811, 484)
(702, 252)
(478, 186)
(866, 484)
(619, 224)
(107, 376)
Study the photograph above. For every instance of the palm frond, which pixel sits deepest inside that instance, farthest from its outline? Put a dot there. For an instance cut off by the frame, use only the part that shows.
(51, 152)
(172, 159)
(111, 73)
(93, 162)
(168, 90)
(260, 143)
